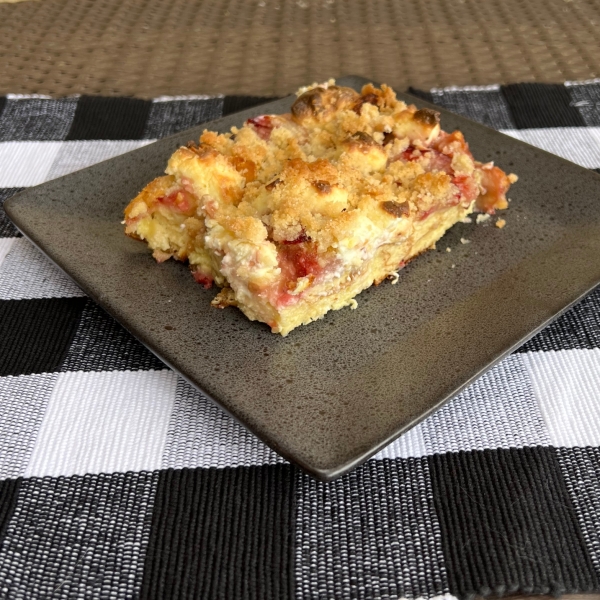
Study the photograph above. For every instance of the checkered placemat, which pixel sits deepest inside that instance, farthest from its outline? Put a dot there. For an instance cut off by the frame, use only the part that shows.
(118, 480)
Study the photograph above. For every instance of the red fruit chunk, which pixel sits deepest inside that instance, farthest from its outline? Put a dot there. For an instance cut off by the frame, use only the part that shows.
(180, 200)
(496, 184)
(467, 186)
(449, 143)
(408, 154)
(204, 280)
(263, 125)
(440, 162)
(297, 261)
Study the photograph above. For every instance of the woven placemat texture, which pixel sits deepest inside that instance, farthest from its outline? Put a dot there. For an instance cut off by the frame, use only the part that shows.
(119, 480)
(270, 47)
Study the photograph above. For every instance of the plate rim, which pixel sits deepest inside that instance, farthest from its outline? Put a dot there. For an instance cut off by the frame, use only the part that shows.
(321, 474)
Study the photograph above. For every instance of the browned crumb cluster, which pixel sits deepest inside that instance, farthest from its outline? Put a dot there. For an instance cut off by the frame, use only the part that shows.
(295, 214)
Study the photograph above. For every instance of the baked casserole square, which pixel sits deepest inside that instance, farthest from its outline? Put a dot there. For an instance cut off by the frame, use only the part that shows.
(293, 215)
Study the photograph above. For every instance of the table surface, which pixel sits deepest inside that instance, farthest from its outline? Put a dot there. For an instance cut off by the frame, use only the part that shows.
(270, 47)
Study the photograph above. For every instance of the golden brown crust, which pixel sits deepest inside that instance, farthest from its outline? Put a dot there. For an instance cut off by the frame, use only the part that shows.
(427, 116)
(320, 103)
(289, 209)
(147, 198)
(397, 209)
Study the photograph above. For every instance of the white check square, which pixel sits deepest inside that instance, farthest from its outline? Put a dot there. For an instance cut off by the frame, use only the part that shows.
(105, 422)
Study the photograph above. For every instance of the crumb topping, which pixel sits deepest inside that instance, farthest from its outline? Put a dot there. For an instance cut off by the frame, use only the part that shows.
(286, 203)
(339, 160)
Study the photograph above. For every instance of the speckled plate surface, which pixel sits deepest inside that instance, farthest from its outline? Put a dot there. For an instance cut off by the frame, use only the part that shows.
(333, 393)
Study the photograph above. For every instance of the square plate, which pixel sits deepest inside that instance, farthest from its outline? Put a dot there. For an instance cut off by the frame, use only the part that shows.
(333, 393)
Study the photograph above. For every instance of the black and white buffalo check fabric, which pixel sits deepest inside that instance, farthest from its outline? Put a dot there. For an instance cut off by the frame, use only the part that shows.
(118, 480)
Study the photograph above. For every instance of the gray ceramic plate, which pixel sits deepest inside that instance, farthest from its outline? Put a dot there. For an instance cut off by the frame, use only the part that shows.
(333, 393)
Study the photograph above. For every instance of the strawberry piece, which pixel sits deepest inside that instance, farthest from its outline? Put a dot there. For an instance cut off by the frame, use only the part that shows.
(263, 126)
